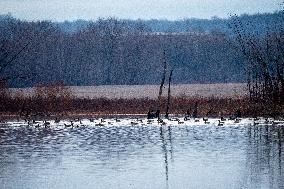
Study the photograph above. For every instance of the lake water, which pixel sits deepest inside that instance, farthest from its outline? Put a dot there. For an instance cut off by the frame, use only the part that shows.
(173, 156)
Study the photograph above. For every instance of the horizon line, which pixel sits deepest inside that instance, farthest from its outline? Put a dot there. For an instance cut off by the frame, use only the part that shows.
(214, 17)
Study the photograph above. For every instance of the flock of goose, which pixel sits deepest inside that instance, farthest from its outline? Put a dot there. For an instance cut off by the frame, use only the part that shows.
(76, 123)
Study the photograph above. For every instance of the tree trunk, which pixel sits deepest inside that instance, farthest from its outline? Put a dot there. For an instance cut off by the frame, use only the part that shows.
(162, 84)
(169, 95)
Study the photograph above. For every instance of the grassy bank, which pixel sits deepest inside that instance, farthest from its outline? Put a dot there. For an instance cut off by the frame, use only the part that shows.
(57, 100)
(73, 107)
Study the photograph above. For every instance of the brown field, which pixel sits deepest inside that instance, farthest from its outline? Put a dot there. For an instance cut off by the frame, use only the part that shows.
(212, 100)
(228, 90)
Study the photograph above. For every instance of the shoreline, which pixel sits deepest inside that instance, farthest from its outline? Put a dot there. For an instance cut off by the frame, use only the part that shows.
(213, 100)
(70, 108)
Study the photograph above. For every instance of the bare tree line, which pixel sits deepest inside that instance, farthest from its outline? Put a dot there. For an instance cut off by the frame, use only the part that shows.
(15, 45)
(265, 65)
(109, 52)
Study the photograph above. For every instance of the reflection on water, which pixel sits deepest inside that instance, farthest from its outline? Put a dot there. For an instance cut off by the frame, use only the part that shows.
(142, 157)
(264, 157)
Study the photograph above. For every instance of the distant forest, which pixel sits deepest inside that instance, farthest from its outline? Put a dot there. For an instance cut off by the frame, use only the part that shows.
(117, 52)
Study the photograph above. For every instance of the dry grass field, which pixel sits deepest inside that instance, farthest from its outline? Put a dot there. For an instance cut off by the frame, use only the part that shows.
(228, 90)
(213, 100)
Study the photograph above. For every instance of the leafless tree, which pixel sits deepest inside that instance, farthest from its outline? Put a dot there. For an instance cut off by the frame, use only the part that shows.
(265, 68)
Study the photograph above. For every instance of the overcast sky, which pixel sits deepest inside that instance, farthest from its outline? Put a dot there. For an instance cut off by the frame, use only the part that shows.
(145, 9)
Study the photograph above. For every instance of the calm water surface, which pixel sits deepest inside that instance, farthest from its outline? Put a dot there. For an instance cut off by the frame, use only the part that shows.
(142, 157)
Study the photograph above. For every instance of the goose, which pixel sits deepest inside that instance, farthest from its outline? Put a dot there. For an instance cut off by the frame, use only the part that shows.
(237, 120)
(160, 121)
(149, 121)
(117, 120)
(221, 123)
(223, 119)
(69, 125)
(139, 120)
(29, 123)
(206, 120)
(266, 121)
(46, 124)
(163, 123)
(56, 120)
(256, 119)
(186, 118)
(175, 119)
(255, 123)
(133, 123)
(99, 124)
(180, 122)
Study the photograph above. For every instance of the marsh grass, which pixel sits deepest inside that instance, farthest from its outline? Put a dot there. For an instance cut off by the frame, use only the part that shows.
(57, 100)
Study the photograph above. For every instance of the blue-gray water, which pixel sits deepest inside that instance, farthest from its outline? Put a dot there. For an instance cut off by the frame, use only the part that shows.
(142, 157)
